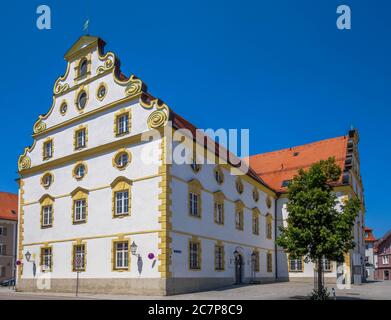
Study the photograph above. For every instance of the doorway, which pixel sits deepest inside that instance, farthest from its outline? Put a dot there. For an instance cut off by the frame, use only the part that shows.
(238, 269)
(386, 275)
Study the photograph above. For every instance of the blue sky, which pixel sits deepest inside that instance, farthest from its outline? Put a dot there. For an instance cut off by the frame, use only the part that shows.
(280, 68)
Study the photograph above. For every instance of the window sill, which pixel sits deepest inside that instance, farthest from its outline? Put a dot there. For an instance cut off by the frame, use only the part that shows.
(46, 226)
(79, 222)
(123, 215)
(193, 216)
(121, 270)
(118, 135)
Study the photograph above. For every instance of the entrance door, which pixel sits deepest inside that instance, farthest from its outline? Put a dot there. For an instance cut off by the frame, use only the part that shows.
(386, 275)
(238, 269)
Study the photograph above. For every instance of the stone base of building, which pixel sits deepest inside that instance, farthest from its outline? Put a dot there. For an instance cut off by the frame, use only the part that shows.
(96, 286)
(157, 287)
(186, 285)
(327, 280)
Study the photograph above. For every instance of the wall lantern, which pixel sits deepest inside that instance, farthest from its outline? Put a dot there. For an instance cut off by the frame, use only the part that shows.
(28, 256)
(133, 248)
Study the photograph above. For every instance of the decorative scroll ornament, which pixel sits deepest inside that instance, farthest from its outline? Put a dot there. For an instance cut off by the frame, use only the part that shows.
(39, 126)
(135, 86)
(159, 117)
(107, 65)
(24, 161)
(60, 88)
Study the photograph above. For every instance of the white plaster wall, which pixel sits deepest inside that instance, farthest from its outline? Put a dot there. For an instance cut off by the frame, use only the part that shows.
(100, 131)
(180, 258)
(98, 259)
(100, 172)
(206, 227)
(308, 270)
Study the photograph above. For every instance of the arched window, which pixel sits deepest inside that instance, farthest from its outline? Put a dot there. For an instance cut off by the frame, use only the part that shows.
(83, 68)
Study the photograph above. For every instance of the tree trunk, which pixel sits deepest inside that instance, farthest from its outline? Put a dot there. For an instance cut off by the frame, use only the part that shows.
(320, 275)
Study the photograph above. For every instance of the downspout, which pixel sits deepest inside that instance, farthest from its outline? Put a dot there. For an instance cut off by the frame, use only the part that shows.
(275, 237)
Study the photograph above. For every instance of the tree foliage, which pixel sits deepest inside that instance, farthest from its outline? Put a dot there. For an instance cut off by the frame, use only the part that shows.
(318, 225)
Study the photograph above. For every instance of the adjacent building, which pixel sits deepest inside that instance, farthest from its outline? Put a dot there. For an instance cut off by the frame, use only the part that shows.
(382, 251)
(278, 168)
(370, 257)
(8, 234)
(101, 199)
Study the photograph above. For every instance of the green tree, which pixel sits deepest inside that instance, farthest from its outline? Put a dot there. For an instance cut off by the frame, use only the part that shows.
(317, 226)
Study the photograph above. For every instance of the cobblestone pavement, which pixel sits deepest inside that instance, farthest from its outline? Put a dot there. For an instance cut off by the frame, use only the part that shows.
(273, 291)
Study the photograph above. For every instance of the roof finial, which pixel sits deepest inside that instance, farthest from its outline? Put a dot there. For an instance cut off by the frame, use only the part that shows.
(86, 25)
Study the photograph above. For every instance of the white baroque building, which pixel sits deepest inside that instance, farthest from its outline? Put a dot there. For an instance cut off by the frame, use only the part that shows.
(101, 201)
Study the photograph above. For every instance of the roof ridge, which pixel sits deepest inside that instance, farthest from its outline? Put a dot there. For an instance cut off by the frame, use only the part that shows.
(297, 146)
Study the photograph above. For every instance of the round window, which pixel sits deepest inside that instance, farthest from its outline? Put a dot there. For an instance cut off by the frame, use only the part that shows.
(122, 160)
(80, 171)
(101, 92)
(82, 100)
(63, 108)
(47, 180)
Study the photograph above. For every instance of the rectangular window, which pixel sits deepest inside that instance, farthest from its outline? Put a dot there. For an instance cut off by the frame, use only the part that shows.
(80, 210)
(296, 265)
(122, 202)
(79, 256)
(194, 204)
(3, 231)
(121, 255)
(239, 220)
(48, 149)
(47, 216)
(255, 224)
(326, 264)
(219, 213)
(255, 261)
(122, 124)
(2, 271)
(219, 258)
(269, 262)
(194, 255)
(46, 259)
(268, 228)
(80, 137)
(3, 249)
(385, 260)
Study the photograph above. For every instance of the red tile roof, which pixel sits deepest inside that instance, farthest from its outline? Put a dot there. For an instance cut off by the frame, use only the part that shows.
(368, 235)
(278, 166)
(8, 206)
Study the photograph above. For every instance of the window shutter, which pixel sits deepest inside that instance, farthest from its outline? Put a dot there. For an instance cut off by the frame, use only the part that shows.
(4, 231)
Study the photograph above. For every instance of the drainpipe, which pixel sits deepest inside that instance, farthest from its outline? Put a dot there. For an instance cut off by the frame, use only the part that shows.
(275, 237)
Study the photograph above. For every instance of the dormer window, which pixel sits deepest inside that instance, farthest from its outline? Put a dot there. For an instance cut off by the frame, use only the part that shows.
(285, 183)
(83, 68)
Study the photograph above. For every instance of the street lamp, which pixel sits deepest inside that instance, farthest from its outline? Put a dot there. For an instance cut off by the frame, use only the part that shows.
(133, 248)
(28, 256)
